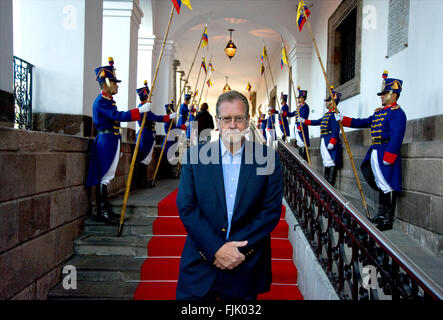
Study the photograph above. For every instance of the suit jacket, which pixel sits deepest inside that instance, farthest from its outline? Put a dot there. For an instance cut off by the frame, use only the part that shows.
(202, 208)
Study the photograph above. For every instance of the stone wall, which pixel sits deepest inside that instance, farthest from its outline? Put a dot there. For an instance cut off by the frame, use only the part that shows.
(420, 206)
(43, 204)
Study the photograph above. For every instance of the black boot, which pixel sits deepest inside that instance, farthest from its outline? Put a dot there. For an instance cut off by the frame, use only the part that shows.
(302, 152)
(386, 222)
(332, 175)
(327, 173)
(104, 209)
(141, 173)
(382, 207)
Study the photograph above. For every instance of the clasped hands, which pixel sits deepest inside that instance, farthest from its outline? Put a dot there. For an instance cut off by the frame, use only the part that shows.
(228, 256)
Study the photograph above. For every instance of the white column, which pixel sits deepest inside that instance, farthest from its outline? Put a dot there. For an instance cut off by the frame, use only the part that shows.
(301, 61)
(144, 68)
(6, 55)
(163, 91)
(62, 39)
(121, 22)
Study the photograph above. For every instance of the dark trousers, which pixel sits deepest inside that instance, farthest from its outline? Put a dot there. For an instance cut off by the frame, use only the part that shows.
(218, 291)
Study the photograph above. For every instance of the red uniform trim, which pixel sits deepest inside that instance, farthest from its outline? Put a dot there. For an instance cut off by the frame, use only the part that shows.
(106, 96)
(183, 127)
(389, 157)
(285, 113)
(135, 114)
(307, 122)
(166, 118)
(333, 141)
(390, 106)
(346, 121)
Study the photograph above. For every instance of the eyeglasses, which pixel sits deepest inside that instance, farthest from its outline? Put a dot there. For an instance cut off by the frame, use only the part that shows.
(228, 120)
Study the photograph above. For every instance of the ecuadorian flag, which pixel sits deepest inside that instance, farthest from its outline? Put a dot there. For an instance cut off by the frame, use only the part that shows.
(205, 38)
(300, 16)
(284, 60)
(178, 3)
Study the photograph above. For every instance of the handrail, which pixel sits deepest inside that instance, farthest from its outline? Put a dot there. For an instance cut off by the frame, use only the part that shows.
(367, 243)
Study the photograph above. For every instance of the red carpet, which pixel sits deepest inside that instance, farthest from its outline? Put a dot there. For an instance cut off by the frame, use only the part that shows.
(159, 273)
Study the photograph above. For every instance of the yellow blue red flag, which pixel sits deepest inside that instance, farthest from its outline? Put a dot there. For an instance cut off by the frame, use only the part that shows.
(205, 37)
(301, 19)
(284, 60)
(178, 3)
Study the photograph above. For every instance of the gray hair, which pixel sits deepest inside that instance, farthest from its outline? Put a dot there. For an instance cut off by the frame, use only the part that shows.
(231, 96)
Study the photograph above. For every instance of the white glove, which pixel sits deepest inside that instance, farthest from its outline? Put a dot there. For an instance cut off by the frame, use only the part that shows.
(386, 163)
(330, 146)
(145, 108)
(338, 116)
(173, 115)
(301, 120)
(187, 124)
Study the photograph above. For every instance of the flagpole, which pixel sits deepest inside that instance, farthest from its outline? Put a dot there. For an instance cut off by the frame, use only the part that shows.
(203, 86)
(137, 145)
(273, 83)
(345, 139)
(295, 96)
(176, 108)
(269, 99)
(196, 83)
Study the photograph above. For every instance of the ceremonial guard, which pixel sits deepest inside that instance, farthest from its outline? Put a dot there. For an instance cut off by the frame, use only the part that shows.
(270, 124)
(261, 124)
(147, 139)
(192, 124)
(184, 111)
(330, 146)
(382, 165)
(303, 109)
(285, 114)
(171, 138)
(105, 151)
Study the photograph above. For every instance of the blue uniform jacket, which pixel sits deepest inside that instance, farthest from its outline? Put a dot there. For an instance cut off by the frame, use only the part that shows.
(304, 113)
(171, 138)
(270, 123)
(285, 114)
(201, 204)
(188, 130)
(388, 127)
(330, 132)
(148, 135)
(182, 114)
(106, 117)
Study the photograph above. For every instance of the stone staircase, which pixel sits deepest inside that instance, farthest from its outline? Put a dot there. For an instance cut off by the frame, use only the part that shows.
(108, 267)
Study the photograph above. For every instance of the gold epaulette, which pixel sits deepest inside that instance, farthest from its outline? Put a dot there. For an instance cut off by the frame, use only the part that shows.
(378, 109)
(396, 107)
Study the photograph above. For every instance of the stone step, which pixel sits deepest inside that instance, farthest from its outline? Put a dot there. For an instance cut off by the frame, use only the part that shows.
(106, 268)
(133, 226)
(95, 290)
(141, 210)
(111, 245)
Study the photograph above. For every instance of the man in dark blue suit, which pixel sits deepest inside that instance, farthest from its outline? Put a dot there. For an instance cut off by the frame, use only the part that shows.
(229, 206)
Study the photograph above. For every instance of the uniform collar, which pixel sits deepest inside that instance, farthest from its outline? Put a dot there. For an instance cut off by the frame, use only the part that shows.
(390, 106)
(106, 95)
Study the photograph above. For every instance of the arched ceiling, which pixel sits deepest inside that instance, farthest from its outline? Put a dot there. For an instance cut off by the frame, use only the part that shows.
(254, 21)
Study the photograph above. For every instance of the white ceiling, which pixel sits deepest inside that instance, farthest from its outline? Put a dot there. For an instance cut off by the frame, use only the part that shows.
(254, 21)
